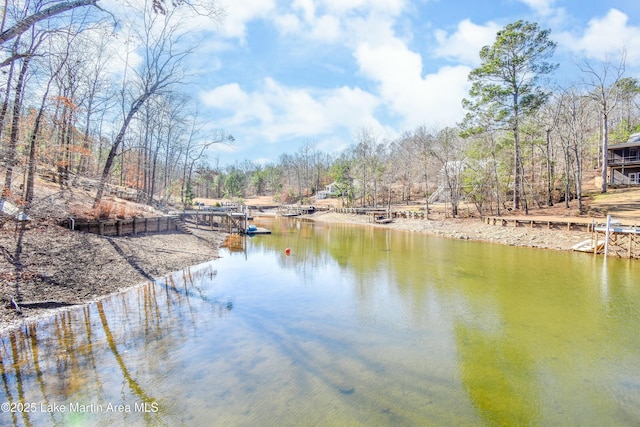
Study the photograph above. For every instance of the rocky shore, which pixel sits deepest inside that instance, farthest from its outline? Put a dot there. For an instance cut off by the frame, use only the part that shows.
(46, 268)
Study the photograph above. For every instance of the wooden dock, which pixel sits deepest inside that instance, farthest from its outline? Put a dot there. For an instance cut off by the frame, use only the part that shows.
(586, 224)
(125, 227)
(258, 230)
(231, 219)
(295, 210)
(622, 240)
(410, 214)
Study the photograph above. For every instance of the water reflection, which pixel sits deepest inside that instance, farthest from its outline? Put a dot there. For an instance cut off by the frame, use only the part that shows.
(523, 319)
(604, 283)
(79, 367)
(359, 326)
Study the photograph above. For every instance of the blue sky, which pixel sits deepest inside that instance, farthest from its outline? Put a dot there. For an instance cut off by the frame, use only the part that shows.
(280, 73)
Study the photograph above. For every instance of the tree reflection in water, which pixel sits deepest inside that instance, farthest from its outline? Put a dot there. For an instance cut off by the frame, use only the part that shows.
(71, 357)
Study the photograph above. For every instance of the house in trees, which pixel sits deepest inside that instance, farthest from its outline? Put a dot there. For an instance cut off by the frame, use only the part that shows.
(330, 190)
(624, 161)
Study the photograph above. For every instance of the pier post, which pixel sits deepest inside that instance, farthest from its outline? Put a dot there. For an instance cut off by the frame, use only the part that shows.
(606, 236)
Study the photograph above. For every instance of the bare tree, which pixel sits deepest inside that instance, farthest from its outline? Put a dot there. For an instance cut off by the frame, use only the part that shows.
(56, 64)
(96, 90)
(163, 54)
(549, 117)
(601, 79)
(29, 19)
(35, 40)
(194, 151)
(447, 149)
(422, 147)
(367, 164)
(573, 128)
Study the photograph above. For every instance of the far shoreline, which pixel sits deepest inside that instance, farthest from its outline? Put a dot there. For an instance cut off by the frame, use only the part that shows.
(469, 229)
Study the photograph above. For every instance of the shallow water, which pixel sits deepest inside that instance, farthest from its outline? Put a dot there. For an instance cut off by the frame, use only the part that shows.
(359, 326)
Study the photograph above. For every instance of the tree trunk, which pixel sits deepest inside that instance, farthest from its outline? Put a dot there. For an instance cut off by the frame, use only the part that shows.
(426, 192)
(32, 148)
(84, 156)
(153, 178)
(578, 171)
(116, 144)
(7, 94)
(567, 184)
(549, 177)
(15, 124)
(516, 155)
(605, 149)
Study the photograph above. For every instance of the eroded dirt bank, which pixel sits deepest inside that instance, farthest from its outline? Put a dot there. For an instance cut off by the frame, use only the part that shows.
(46, 267)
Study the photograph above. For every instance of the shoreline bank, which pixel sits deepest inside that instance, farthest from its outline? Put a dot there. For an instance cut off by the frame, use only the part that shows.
(470, 229)
(47, 268)
(57, 269)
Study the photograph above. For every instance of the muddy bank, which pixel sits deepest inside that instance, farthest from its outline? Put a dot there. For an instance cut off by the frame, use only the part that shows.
(48, 268)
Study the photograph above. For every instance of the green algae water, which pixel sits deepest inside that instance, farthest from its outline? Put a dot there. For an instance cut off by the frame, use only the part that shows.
(358, 326)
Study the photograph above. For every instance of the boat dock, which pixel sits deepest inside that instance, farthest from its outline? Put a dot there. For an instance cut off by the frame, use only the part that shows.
(231, 219)
(611, 238)
(295, 210)
(586, 224)
(258, 230)
(622, 240)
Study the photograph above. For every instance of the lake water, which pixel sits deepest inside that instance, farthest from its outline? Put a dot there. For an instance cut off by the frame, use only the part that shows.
(358, 326)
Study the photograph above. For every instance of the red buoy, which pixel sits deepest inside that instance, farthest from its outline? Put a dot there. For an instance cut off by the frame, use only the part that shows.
(287, 251)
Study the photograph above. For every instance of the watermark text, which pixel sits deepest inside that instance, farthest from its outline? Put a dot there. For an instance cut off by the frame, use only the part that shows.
(79, 407)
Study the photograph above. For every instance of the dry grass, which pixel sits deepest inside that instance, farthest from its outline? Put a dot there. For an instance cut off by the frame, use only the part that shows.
(619, 202)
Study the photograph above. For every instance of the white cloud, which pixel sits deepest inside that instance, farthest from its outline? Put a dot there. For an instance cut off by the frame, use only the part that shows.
(350, 108)
(374, 30)
(393, 7)
(434, 99)
(327, 28)
(307, 7)
(465, 43)
(288, 24)
(334, 20)
(229, 94)
(279, 112)
(605, 37)
(542, 7)
(239, 13)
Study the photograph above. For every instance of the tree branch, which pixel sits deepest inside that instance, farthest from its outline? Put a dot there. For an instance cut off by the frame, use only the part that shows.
(22, 26)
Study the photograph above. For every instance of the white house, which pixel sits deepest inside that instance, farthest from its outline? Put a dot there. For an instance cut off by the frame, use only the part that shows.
(329, 191)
